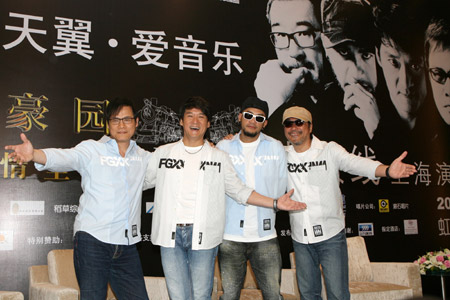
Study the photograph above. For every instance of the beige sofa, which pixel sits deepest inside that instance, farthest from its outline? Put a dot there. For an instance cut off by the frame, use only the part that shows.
(57, 280)
(8, 295)
(377, 280)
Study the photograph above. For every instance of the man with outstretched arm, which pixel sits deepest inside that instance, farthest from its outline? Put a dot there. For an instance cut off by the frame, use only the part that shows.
(112, 173)
(318, 233)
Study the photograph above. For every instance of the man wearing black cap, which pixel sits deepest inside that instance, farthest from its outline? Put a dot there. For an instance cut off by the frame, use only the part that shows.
(260, 162)
(318, 232)
(349, 39)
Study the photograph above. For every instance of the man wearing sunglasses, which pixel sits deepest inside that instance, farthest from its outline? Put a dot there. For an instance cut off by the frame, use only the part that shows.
(318, 233)
(250, 234)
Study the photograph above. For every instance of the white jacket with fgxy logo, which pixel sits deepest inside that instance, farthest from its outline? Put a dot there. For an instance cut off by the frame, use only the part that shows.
(314, 177)
(217, 177)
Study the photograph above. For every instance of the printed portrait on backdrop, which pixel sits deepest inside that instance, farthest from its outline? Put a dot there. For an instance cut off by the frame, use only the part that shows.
(360, 68)
(437, 51)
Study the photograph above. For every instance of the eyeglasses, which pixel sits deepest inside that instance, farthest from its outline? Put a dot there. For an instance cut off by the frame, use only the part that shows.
(298, 123)
(248, 116)
(126, 120)
(303, 39)
(439, 75)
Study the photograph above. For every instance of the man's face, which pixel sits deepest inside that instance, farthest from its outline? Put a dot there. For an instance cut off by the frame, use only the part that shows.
(439, 64)
(251, 128)
(123, 132)
(405, 80)
(195, 123)
(353, 65)
(298, 135)
(295, 16)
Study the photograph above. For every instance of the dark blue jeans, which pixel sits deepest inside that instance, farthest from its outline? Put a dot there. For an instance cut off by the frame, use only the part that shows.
(332, 255)
(265, 260)
(97, 263)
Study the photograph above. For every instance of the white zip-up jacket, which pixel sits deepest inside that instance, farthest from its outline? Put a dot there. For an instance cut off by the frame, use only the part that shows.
(217, 177)
(315, 178)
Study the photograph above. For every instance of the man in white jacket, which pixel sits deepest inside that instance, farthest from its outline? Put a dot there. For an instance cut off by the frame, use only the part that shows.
(191, 180)
(318, 233)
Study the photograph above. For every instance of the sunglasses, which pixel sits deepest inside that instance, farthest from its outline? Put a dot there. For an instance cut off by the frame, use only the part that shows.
(248, 116)
(298, 123)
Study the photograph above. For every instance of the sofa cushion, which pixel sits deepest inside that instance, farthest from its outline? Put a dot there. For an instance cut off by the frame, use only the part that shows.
(358, 260)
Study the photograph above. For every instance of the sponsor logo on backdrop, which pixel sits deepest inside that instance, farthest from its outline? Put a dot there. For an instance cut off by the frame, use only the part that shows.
(149, 207)
(400, 206)
(365, 229)
(27, 208)
(411, 227)
(383, 205)
(285, 232)
(392, 228)
(6, 240)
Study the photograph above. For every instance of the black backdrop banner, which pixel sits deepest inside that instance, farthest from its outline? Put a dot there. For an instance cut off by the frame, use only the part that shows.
(62, 61)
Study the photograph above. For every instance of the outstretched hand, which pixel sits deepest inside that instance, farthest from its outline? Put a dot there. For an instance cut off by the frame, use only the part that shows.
(286, 203)
(399, 169)
(22, 153)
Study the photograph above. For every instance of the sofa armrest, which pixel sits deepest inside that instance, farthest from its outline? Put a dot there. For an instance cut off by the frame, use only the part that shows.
(38, 274)
(48, 291)
(289, 283)
(406, 274)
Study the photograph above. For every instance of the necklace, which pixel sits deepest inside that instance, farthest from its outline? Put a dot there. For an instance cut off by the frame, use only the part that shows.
(195, 152)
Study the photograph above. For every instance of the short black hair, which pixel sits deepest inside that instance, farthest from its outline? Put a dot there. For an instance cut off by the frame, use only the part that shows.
(196, 102)
(402, 24)
(116, 105)
(438, 32)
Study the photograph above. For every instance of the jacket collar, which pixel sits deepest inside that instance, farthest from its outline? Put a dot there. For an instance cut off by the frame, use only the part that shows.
(315, 144)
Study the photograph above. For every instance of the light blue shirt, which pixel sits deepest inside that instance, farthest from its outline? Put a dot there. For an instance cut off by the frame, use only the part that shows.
(110, 205)
(270, 180)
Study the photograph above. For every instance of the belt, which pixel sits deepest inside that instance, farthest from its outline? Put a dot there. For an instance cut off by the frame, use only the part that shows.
(184, 225)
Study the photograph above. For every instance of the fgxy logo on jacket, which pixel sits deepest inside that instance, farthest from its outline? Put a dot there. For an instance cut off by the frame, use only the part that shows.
(170, 163)
(205, 163)
(114, 161)
(307, 166)
(258, 160)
